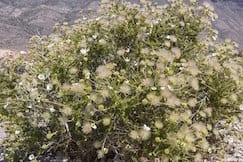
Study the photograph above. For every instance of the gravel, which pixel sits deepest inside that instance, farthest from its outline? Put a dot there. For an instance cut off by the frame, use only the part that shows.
(3, 136)
(234, 142)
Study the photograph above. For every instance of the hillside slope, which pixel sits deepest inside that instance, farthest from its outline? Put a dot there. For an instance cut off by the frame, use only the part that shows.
(20, 19)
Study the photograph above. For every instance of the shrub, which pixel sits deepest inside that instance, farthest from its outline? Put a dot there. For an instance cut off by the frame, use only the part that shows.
(136, 83)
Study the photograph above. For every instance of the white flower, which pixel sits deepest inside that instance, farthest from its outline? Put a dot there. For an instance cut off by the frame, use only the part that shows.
(145, 127)
(68, 41)
(23, 52)
(241, 107)
(17, 132)
(162, 88)
(6, 105)
(21, 83)
(49, 87)
(135, 63)
(98, 18)
(50, 45)
(182, 23)
(102, 41)
(41, 77)
(94, 36)
(154, 22)
(93, 125)
(127, 59)
(113, 16)
(214, 38)
(153, 88)
(181, 68)
(31, 157)
(84, 51)
(110, 87)
(52, 109)
(214, 54)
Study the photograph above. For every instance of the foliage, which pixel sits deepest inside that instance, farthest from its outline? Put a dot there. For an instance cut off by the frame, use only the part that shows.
(138, 82)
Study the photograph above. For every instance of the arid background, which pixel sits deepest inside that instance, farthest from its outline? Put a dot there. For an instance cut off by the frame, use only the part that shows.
(20, 19)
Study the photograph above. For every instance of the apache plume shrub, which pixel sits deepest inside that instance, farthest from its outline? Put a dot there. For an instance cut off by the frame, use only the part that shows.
(136, 83)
